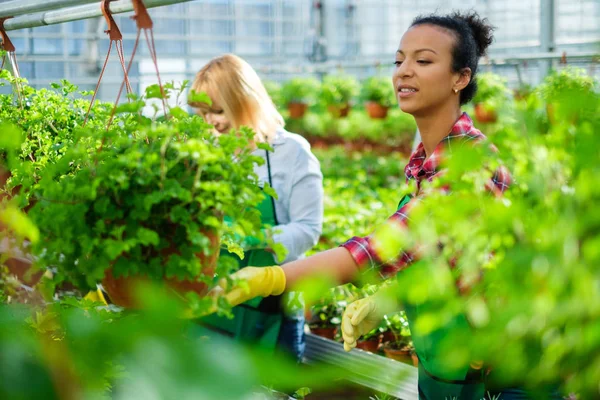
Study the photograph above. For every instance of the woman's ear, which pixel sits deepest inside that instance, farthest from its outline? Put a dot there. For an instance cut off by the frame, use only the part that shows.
(463, 79)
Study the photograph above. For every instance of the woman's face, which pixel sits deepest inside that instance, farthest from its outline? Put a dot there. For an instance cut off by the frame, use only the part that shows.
(215, 115)
(423, 77)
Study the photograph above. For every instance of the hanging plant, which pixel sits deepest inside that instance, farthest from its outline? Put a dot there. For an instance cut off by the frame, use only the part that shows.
(144, 200)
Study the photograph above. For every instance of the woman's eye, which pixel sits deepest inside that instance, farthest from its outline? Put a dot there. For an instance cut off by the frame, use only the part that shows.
(424, 62)
(217, 111)
(397, 63)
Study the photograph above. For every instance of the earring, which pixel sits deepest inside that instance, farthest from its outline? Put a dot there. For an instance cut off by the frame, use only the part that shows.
(455, 91)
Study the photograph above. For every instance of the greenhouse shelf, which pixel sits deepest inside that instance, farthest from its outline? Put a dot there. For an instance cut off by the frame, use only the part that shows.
(364, 368)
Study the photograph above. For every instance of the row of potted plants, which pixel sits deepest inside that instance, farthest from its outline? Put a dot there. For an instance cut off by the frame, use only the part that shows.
(336, 93)
(391, 338)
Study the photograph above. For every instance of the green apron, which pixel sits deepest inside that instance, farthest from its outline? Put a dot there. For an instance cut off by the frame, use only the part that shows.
(436, 381)
(257, 321)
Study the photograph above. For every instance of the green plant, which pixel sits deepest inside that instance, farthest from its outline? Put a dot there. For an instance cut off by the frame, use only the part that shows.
(398, 325)
(274, 91)
(566, 92)
(338, 90)
(378, 90)
(143, 198)
(523, 91)
(566, 82)
(49, 120)
(299, 90)
(491, 91)
(328, 310)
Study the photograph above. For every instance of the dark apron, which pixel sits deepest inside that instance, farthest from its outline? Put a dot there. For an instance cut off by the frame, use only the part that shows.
(436, 381)
(257, 321)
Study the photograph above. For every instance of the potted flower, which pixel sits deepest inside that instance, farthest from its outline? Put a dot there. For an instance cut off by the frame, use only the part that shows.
(325, 315)
(523, 92)
(566, 93)
(491, 94)
(377, 93)
(370, 341)
(398, 346)
(143, 201)
(298, 93)
(337, 93)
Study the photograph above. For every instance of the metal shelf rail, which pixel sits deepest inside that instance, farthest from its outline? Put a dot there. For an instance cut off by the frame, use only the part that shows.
(364, 368)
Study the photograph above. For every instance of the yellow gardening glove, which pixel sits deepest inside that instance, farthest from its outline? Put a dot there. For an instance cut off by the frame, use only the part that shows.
(261, 281)
(364, 315)
(97, 296)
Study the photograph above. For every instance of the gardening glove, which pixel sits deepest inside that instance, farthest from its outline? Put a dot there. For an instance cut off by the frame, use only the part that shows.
(258, 281)
(364, 315)
(96, 296)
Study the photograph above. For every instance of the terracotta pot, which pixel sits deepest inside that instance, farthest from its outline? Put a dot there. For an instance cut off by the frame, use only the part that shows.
(484, 115)
(370, 345)
(376, 110)
(405, 354)
(18, 263)
(121, 290)
(326, 332)
(339, 110)
(297, 110)
(387, 336)
(19, 266)
(551, 111)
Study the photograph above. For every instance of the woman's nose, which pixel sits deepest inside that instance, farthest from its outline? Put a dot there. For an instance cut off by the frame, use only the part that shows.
(209, 118)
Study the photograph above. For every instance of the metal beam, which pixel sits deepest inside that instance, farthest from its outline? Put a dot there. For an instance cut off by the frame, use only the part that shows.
(14, 8)
(547, 32)
(78, 13)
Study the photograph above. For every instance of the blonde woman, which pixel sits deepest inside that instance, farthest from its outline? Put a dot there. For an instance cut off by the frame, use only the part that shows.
(240, 99)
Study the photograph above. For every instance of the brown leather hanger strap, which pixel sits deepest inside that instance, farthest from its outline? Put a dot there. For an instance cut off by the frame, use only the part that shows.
(6, 43)
(114, 34)
(143, 22)
(9, 47)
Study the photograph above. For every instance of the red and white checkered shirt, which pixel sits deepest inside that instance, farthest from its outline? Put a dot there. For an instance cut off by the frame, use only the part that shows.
(419, 168)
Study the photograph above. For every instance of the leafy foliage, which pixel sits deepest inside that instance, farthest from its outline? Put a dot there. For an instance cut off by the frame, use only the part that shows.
(379, 90)
(299, 90)
(492, 91)
(144, 197)
(338, 89)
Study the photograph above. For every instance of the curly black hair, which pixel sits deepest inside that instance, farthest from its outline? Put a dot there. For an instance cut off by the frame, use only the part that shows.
(473, 37)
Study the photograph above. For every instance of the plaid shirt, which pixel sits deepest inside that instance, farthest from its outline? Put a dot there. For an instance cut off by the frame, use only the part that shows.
(420, 168)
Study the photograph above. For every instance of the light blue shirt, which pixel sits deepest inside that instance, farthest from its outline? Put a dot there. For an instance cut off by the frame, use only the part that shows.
(298, 181)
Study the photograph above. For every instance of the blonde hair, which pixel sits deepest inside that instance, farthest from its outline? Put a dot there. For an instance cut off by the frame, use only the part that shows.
(234, 84)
